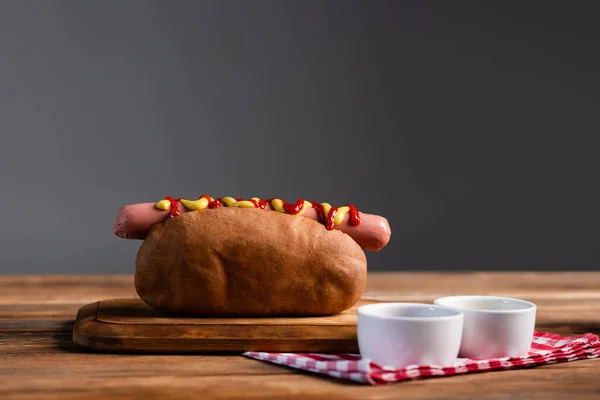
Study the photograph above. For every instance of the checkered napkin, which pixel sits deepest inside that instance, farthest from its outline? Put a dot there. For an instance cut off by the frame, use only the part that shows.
(546, 348)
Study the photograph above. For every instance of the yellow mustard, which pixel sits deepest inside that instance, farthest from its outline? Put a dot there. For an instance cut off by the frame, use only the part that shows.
(195, 205)
(164, 205)
(276, 204)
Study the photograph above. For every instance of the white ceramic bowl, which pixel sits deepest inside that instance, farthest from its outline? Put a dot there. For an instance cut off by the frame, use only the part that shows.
(493, 326)
(402, 334)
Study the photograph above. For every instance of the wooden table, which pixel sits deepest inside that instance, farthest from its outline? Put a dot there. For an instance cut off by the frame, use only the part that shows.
(38, 359)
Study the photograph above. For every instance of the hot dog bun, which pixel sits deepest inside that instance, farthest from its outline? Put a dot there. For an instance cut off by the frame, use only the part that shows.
(248, 262)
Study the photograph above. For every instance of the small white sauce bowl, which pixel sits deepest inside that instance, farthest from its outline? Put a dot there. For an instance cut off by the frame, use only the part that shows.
(494, 327)
(401, 334)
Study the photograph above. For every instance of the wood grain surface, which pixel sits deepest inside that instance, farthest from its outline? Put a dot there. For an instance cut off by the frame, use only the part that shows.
(129, 325)
(38, 359)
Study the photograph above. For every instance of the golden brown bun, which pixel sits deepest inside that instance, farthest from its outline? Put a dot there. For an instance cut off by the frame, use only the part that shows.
(249, 262)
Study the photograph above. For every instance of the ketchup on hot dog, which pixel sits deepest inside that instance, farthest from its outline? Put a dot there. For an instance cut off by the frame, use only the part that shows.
(328, 215)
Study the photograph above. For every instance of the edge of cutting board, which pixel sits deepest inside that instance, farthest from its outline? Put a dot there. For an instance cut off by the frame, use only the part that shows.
(325, 334)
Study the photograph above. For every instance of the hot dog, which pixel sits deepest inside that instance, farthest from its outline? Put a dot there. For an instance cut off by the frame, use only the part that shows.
(134, 222)
(247, 258)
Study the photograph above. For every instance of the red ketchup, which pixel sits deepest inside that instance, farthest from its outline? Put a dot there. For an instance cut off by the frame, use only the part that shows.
(260, 203)
(289, 208)
(354, 216)
(293, 208)
(330, 220)
(174, 206)
(320, 211)
(216, 203)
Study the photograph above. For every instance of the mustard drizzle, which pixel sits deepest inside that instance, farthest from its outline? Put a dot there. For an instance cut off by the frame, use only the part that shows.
(277, 205)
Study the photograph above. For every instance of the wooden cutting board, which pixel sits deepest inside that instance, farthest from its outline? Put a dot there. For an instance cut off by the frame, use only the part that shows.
(129, 325)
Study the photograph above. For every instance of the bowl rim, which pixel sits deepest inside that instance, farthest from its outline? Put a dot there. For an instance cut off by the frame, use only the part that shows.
(368, 310)
(529, 305)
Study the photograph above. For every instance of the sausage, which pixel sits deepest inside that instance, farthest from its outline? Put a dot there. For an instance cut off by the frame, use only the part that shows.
(134, 222)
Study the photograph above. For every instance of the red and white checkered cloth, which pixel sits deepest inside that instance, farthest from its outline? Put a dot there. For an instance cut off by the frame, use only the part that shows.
(546, 348)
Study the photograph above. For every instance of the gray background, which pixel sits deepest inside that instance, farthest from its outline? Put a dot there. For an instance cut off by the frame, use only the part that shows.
(472, 126)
